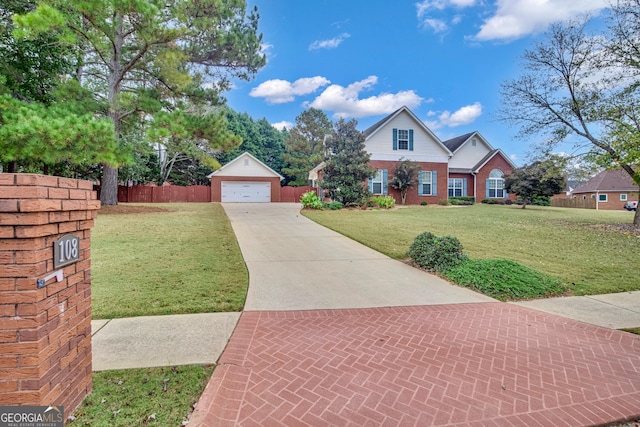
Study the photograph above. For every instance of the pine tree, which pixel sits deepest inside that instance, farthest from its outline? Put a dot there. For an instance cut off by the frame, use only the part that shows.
(347, 165)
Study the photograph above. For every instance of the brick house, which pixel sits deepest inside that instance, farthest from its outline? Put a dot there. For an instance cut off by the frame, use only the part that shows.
(464, 166)
(610, 188)
(477, 169)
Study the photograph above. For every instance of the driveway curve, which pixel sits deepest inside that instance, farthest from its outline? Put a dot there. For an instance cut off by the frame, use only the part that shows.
(296, 264)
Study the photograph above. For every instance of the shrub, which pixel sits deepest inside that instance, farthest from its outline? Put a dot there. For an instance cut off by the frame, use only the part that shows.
(462, 201)
(493, 201)
(541, 201)
(424, 203)
(311, 200)
(444, 202)
(436, 253)
(504, 279)
(384, 202)
(334, 206)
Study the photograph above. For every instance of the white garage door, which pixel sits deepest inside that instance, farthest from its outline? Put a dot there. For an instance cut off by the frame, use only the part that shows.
(248, 192)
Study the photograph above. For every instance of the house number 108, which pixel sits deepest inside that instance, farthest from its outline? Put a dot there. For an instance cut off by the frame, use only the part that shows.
(66, 250)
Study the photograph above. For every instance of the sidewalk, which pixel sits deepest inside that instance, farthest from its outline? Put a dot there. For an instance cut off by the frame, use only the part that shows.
(187, 339)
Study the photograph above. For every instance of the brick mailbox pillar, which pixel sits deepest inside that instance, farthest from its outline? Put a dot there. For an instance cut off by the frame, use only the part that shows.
(45, 290)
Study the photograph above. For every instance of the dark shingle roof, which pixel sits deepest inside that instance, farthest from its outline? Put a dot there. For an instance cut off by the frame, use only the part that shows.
(454, 143)
(608, 180)
(371, 129)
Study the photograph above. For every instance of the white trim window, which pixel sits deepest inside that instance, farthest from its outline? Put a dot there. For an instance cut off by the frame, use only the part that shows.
(456, 186)
(602, 198)
(403, 139)
(378, 182)
(495, 185)
(425, 181)
(623, 197)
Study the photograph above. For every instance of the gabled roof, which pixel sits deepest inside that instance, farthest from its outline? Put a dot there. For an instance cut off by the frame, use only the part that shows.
(490, 156)
(608, 180)
(246, 154)
(454, 143)
(371, 130)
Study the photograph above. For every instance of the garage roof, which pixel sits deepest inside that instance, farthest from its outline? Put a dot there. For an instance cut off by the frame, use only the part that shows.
(246, 165)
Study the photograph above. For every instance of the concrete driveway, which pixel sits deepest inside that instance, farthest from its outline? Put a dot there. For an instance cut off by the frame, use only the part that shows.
(325, 270)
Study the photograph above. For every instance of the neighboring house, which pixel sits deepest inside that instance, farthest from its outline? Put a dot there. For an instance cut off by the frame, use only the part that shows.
(245, 179)
(463, 166)
(610, 188)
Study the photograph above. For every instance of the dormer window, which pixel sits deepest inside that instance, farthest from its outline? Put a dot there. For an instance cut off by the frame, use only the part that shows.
(403, 139)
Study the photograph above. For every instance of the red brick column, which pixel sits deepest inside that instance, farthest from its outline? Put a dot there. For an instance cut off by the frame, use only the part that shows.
(45, 334)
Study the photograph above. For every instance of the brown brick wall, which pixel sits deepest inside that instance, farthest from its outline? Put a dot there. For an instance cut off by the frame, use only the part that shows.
(496, 162)
(45, 334)
(412, 194)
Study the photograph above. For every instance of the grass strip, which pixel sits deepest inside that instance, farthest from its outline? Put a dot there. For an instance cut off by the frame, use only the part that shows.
(167, 259)
(140, 397)
(504, 280)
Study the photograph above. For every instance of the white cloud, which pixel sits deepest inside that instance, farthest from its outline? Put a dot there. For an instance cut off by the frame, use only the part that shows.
(426, 5)
(329, 44)
(424, 9)
(437, 25)
(462, 116)
(517, 18)
(282, 125)
(346, 102)
(280, 91)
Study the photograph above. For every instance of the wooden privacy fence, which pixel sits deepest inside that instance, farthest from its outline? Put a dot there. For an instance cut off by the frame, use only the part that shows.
(578, 202)
(164, 194)
(192, 193)
(293, 194)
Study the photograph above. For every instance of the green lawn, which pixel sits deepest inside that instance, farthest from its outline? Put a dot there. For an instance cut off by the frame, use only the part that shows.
(182, 259)
(579, 246)
(140, 397)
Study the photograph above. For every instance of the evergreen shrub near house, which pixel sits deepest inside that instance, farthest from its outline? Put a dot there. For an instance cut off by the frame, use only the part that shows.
(541, 201)
(424, 203)
(444, 202)
(462, 201)
(334, 206)
(493, 201)
(383, 202)
(436, 253)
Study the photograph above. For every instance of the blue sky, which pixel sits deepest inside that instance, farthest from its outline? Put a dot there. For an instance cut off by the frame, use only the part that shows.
(363, 59)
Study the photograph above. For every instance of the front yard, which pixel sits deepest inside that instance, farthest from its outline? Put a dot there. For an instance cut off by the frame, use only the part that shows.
(165, 259)
(583, 248)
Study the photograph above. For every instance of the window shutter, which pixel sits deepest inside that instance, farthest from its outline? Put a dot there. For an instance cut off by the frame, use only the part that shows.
(385, 179)
(420, 182)
(410, 139)
(487, 186)
(464, 187)
(395, 139)
(370, 183)
(434, 183)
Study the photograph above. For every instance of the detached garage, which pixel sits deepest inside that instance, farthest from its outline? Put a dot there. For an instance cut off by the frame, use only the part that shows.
(245, 179)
